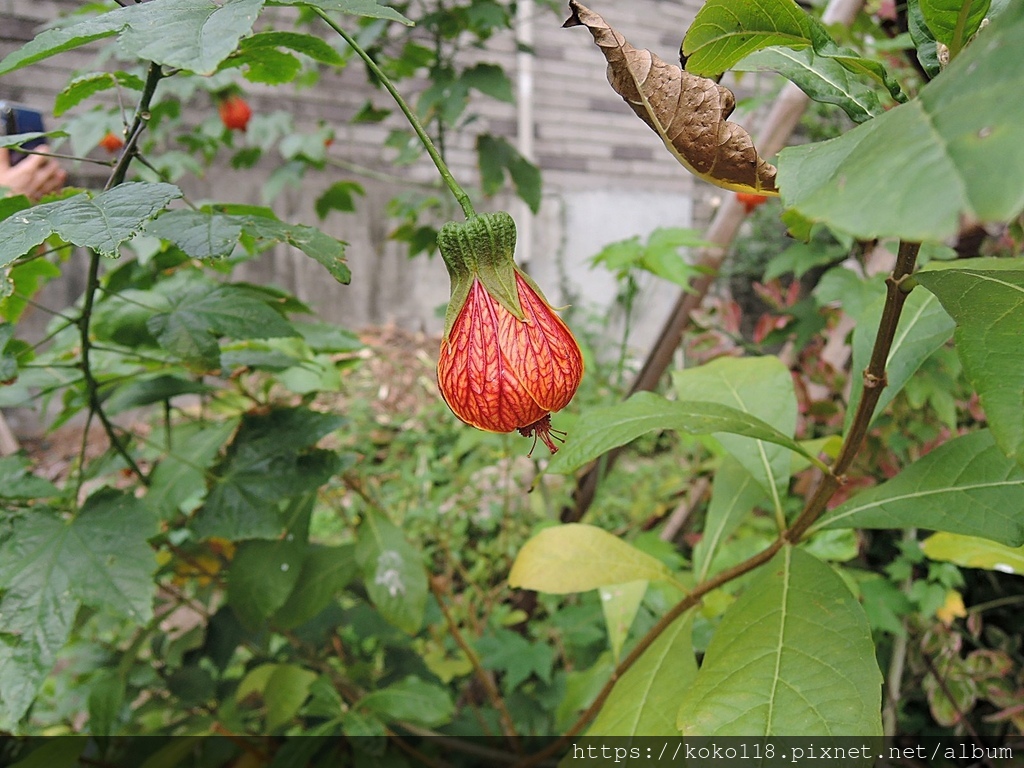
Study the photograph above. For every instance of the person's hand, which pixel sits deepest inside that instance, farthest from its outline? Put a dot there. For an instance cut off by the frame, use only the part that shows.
(35, 176)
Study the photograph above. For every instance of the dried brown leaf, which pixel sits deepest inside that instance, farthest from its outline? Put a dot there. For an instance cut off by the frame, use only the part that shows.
(688, 112)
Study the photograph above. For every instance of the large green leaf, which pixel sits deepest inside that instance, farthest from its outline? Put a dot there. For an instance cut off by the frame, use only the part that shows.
(18, 482)
(262, 576)
(965, 486)
(988, 306)
(102, 222)
(601, 429)
(644, 700)
(761, 387)
(283, 688)
(49, 566)
(577, 558)
(393, 572)
(196, 35)
(953, 22)
(957, 145)
(923, 328)
(725, 32)
(269, 461)
(823, 79)
(792, 657)
(201, 312)
(325, 572)
(734, 494)
(974, 552)
(213, 234)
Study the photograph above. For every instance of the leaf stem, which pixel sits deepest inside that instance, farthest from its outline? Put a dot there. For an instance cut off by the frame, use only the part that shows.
(414, 121)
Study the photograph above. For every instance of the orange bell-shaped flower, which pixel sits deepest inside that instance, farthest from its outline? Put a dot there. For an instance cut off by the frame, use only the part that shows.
(507, 360)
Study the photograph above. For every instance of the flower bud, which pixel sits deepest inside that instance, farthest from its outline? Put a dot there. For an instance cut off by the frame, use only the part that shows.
(507, 360)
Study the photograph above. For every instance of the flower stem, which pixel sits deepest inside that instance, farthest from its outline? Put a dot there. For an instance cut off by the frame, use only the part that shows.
(414, 121)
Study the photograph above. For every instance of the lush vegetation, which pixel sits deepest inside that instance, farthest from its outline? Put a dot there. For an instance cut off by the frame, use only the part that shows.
(296, 537)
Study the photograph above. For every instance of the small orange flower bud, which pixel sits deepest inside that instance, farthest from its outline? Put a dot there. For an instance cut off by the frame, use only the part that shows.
(750, 200)
(507, 360)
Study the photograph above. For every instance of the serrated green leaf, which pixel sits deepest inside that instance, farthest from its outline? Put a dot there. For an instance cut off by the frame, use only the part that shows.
(953, 22)
(268, 462)
(519, 658)
(181, 474)
(960, 138)
(988, 306)
(262, 576)
(392, 571)
(49, 566)
(102, 222)
(325, 572)
(18, 482)
(965, 486)
(577, 558)
(823, 79)
(200, 235)
(924, 327)
(792, 657)
(201, 312)
(411, 700)
(601, 429)
(644, 700)
(760, 387)
(314, 47)
(322, 248)
(974, 552)
(81, 88)
(367, 8)
(195, 35)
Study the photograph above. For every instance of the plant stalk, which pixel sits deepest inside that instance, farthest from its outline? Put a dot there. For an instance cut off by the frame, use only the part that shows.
(442, 167)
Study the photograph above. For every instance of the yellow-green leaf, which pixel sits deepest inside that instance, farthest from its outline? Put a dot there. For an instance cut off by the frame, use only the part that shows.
(578, 558)
(974, 552)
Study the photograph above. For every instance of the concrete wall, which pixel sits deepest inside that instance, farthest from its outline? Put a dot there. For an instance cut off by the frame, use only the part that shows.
(606, 175)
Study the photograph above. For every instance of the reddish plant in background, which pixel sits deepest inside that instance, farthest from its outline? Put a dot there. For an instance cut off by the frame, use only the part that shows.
(234, 112)
(111, 142)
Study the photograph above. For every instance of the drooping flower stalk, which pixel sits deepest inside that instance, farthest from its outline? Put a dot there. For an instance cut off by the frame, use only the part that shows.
(507, 360)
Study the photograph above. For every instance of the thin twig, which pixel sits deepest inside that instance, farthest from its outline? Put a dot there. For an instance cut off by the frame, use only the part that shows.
(507, 724)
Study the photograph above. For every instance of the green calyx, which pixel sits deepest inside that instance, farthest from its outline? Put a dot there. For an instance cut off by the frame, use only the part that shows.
(481, 248)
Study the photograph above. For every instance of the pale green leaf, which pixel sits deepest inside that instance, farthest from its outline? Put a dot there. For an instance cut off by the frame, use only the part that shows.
(287, 688)
(393, 572)
(102, 222)
(792, 657)
(577, 558)
(601, 429)
(965, 486)
(620, 603)
(195, 35)
(823, 79)
(924, 327)
(760, 387)
(957, 145)
(988, 306)
(84, 86)
(974, 552)
(734, 495)
(643, 701)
